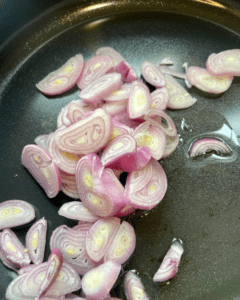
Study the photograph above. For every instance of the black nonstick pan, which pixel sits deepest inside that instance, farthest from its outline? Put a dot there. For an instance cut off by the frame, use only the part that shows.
(202, 203)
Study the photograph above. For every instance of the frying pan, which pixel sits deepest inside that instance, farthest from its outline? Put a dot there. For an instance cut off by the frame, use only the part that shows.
(202, 203)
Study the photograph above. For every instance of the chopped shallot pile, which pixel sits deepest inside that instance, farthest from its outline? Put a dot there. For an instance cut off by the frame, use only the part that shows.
(116, 126)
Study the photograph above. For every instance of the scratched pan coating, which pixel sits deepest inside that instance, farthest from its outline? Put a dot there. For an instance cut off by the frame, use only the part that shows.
(202, 203)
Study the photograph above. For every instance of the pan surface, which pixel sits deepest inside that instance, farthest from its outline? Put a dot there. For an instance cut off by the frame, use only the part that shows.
(202, 203)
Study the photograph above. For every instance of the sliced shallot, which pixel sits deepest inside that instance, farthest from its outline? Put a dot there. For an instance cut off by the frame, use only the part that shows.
(114, 108)
(179, 98)
(67, 281)
(72, 243)
(98, 282)
(54, 265)
(26, 269)
(101, 88)
(39, 163)
(166, 61)
(13, 250)
(117, 57)
(65, 161)
(139, 99)
(14, 213)
(88, 135)
(42, 141)
(36, 241)
(100, 236)
(127, 72)
(203, 80)
(152, 137)
(169, 71)
(133, 287)
(160, 119)
(64, 78)
(224, 63)
(169, 267)
(171, 145)
(146, 187)
(159, 98)
(127, 210)
(119, 129)
(94, 68)
(205, 145)
(6, 262)
(152, 74)
(103, 199)
(76, 210)
(121, 154)
(122, 245)
(120, 95)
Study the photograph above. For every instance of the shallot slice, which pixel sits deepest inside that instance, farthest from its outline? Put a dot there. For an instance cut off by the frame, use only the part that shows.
(62, 79)
(121, 154)
(66, 282)
(72, 243)
(26, 269)
(65, 161)
(76, 111)
(159, 98)
(119, 129)
(127, 72)
(101, 88)
(152, 74)
(13, 250)
(98, 282)
(54, 265)
(120, 95)
(162, 120)
(117, 57)
(169, 71)
(101, 198)
(70, 190)
(14, 289)
(100, 236)
(205, 145)
(114, 108)
(6, 262)
(179, 98)
(14, 213)
(62, 118)
(169, 267)
(206, 82)
(224, 63)
(139, 100)
(42, 140)
(69, 185)
(122, 245)
(77, 211)
(146, 194)
(171, 145)
(94, 68)
(127, 210)
(152, 137)
(39, 163)
(166, 61)
(86, 136)
(133, 287)
(36, 241)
